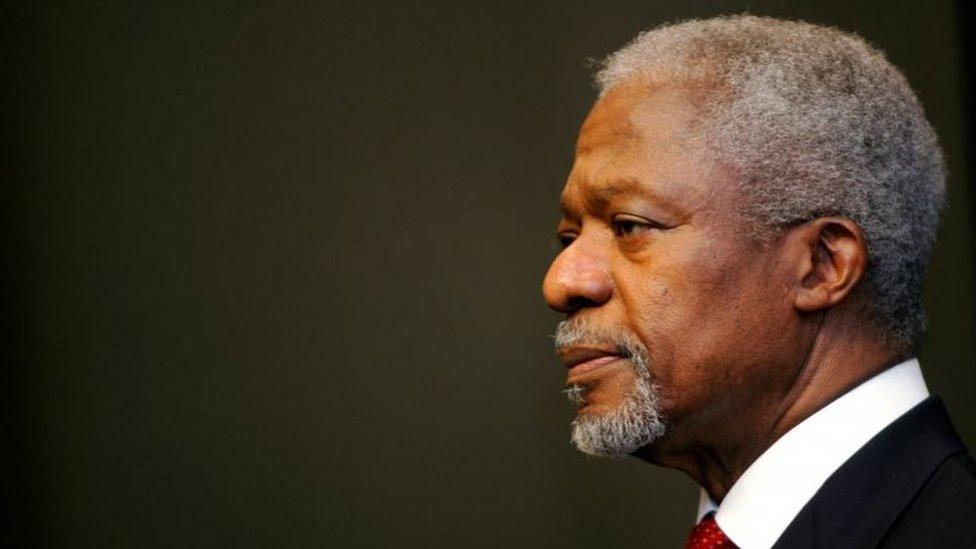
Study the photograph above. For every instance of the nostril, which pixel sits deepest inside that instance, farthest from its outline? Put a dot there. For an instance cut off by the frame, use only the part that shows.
(578, 302)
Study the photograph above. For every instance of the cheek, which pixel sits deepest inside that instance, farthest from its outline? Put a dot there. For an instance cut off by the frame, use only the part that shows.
(697, 312)
(677, 287)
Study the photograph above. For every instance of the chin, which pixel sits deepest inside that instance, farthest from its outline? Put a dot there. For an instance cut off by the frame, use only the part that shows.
(620, 430)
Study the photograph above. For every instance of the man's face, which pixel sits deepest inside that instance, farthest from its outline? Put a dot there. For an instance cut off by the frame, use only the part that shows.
(655, 253)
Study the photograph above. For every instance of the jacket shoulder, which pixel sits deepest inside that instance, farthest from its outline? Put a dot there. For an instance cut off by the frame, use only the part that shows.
(944, 510)
(895, 491)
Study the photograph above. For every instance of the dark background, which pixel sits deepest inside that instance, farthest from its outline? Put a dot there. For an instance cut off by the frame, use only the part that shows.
(272, 271)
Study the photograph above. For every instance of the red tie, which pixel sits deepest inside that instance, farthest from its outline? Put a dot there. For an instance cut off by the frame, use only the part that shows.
(707, 535)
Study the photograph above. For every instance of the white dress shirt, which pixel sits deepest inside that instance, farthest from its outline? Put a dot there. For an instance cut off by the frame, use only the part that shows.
(771, 492)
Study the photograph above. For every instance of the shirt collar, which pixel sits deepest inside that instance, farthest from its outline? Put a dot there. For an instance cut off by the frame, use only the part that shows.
(773, 490)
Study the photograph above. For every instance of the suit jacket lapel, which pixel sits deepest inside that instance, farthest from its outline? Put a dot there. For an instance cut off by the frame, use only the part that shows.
(861, 500)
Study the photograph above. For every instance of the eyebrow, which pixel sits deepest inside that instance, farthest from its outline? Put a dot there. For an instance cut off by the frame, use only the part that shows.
(601, 193)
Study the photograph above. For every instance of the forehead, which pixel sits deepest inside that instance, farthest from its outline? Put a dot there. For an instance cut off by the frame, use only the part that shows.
(631, 112)
(644, 135)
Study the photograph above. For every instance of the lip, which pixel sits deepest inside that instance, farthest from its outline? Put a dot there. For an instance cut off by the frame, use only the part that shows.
(594, 364)
(581, 360)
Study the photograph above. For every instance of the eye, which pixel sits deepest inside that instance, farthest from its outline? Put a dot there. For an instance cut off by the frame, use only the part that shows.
(628, 225)
(566, 238)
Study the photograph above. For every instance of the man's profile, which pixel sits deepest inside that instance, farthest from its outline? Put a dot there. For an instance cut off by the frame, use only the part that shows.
(745, 232)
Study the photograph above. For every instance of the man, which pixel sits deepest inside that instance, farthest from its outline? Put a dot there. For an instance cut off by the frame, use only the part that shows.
(746, 228)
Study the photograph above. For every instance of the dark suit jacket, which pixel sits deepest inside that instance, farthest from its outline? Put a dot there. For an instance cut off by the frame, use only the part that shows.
(913, 485)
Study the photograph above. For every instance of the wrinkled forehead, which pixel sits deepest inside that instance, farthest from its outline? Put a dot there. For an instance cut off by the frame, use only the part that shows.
(637, 110)
(610, 123)
(647, 134)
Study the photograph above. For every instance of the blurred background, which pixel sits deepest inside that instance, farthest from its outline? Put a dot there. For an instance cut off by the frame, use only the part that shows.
(272, 270)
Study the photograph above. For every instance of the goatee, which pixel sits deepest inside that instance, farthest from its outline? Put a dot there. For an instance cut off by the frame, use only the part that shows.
(637, 421)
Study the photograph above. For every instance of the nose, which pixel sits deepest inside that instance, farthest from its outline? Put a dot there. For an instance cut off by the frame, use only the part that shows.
(579, 277)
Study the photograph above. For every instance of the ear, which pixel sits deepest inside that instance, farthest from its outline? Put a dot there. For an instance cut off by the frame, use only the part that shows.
(830, 256)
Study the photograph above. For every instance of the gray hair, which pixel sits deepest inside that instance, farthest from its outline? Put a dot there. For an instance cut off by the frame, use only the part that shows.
(815, 122)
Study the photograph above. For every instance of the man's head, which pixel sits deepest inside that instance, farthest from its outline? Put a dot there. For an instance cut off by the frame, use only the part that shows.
(742, 187)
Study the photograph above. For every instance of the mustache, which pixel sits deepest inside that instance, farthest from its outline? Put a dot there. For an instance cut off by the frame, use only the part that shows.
(581, 332)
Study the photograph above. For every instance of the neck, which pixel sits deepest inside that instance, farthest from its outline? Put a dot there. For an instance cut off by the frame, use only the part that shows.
(835, 363)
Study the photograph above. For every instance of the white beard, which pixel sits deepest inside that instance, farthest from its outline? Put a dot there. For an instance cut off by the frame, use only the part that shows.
(637, 421)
